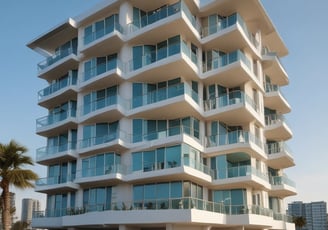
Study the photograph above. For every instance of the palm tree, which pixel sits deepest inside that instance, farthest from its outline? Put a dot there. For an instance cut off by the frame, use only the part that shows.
(12, 159)
(299, 222)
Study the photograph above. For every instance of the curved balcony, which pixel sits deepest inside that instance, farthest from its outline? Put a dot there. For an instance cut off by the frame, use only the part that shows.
(177, 101)
(276, 128)
(274, 99)
(107, 109)
(279, 155)
(235, 107)
(231, 70)
(152, 26)
(111, 38)
(230, 34)
(108, 74)
(116, 141)
(167, 210)
(173, 135)
(58, 64)
(59, 91)
(169, 61)
(52, 154)
(111, 174)
(187, 169)
(56, 123)
(272, 66)
(235, 141)
(56, 184)
(240, 176)
(282, 186)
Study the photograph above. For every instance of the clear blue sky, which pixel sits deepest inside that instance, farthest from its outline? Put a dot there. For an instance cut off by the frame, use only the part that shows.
(301, 23)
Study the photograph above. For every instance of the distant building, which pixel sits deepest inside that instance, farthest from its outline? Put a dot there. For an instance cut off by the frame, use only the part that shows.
(28, 207)
(315, 214)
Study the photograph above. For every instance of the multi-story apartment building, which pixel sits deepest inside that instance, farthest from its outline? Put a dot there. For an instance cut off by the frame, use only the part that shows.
(314, 213)
(164, 114)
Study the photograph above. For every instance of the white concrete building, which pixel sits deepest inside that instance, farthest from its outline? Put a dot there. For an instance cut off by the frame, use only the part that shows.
(29, 206)
(164, 114)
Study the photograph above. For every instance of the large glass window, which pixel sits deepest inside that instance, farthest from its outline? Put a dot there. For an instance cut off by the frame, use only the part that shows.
(97, 199)
(99, 99)
(99, 65)
(100, 164)
(99, 133)
(57, 204)
(100, 28)
(234, 200)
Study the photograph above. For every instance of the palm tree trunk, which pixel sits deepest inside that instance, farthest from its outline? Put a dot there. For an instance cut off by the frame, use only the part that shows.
(6, 216)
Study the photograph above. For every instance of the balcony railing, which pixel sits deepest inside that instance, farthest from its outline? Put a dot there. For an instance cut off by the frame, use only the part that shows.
(102, 32)
(163, 13)
(102, 68)
(225, 60)
(157, 55)
(232, 98)
(48, 151)
(93, 141)
(171, 131)
(228, 22)
(233, 137)
(164, 94)
(277, 147)
(55, 118)
(100, 171)
(240, 171)
(274, 119)
(55, 180)
(59, 55)
(104, 103)
(54, 87)
(164, 204)
(282, 180)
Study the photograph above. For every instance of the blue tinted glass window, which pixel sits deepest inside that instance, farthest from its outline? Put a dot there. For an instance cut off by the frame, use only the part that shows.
(137, 161)
(137, 130)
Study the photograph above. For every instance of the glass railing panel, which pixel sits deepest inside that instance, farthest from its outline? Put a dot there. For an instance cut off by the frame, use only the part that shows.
(228, 22)
(100, 171)
(102, 32)
(55, 118)
(271, 88)
(172, 131)
(93, 141)
(225, 60)
(272, 119)
(85, 143)
(198, 166)
(102, 68)
(100, 103)
(152, 57)
(156, 16)
(55, 180)
(232, 98)
(56, 57)
(63, 83)
(164, 94)
(277, 147)
(51, 150)
(229, 138)
(281, 180)
(163, 204)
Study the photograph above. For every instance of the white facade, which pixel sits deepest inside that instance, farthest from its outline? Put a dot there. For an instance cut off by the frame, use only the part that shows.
(164, 114)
